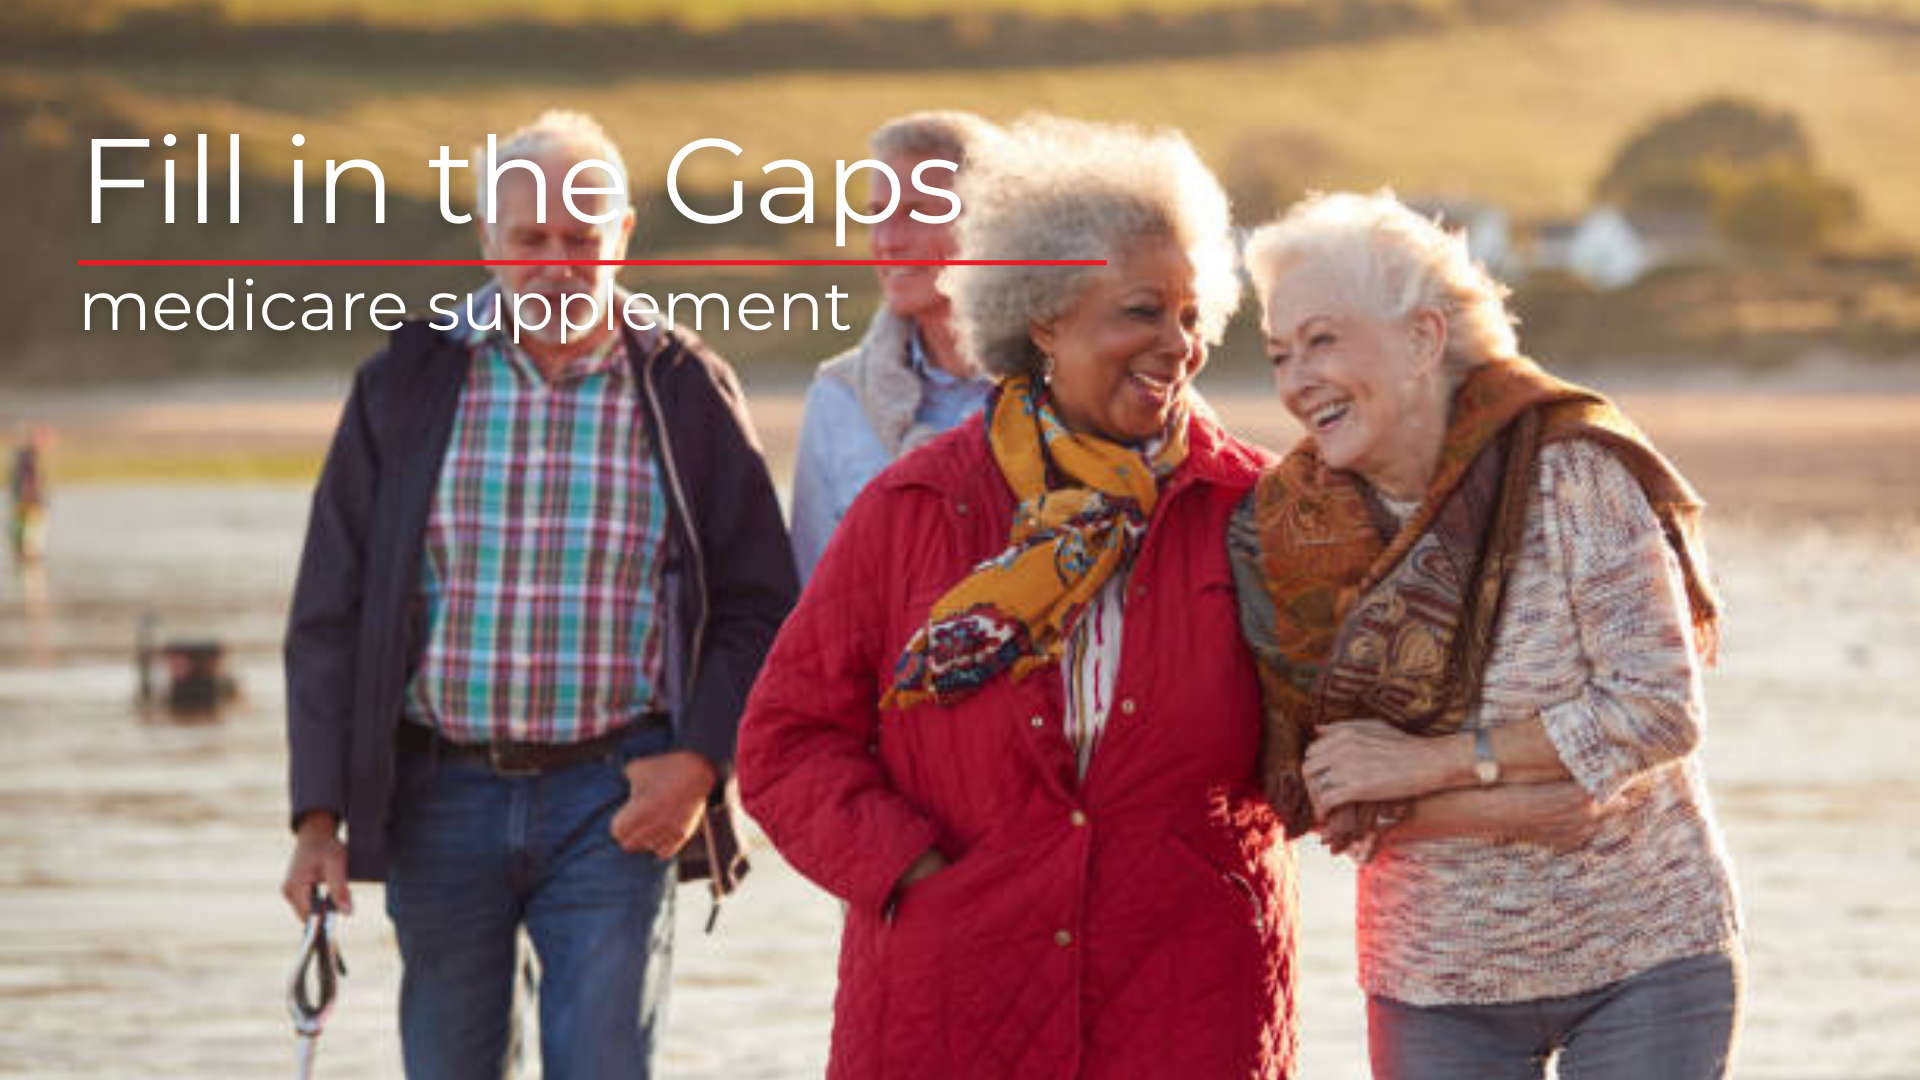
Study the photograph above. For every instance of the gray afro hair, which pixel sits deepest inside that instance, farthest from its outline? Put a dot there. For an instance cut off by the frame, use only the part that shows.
(1055, 188)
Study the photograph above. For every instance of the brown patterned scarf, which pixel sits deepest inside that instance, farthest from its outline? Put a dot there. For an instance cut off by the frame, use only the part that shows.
(1395, 622)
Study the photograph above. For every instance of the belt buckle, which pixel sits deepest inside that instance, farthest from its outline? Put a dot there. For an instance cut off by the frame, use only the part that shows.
(509, 760)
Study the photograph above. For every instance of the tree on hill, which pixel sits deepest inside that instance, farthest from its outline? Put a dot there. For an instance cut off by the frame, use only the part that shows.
(1661, 163)
(1784, 208)
(1746, 165)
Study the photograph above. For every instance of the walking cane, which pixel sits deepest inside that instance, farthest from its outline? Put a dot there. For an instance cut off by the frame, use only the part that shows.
(316, 979)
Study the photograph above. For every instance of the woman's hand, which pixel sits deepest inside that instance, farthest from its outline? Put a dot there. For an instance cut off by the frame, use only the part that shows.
(1358, 761)
(1345, 831)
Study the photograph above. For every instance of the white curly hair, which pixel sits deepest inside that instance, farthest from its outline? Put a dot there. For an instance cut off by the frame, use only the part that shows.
(1393, 262)
(1054, 188)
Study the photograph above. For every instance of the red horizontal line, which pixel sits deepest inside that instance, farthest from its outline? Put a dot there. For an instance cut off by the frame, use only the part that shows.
(592, 262)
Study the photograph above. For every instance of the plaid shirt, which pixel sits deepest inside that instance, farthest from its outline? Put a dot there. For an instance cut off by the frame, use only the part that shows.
(540, 577)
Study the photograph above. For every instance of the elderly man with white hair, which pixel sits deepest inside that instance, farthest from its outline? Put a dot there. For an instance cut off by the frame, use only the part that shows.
(541, 572)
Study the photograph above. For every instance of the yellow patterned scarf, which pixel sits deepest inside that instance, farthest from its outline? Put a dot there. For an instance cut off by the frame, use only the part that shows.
(1084, 503)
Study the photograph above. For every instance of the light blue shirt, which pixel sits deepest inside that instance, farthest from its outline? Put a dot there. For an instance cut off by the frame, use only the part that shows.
(839, 452)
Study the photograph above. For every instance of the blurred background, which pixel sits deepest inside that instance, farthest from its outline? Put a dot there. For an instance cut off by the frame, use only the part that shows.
(1710, 208)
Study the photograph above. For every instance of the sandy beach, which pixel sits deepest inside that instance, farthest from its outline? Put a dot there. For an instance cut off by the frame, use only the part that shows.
(139, 859)
(1828, 442)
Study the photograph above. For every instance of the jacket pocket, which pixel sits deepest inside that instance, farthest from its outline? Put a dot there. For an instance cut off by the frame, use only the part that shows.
(929, 893)
(1201, 998)
(1234, 885)
(920, 943)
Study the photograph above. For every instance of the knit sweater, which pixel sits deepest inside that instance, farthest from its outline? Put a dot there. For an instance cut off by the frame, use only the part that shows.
(1593, 637)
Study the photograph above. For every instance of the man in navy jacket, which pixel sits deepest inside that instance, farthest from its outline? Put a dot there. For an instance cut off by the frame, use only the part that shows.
(540, 575)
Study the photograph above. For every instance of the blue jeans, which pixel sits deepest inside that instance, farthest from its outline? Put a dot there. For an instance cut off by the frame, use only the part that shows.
(1673, 1021)
(475, 858)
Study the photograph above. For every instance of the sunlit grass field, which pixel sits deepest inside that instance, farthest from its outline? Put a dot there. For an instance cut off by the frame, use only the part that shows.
(1525, 113)
(708, 14)
(132, 465)
(712, 14)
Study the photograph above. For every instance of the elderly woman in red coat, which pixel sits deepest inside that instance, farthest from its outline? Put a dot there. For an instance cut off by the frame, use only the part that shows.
(1012, 723)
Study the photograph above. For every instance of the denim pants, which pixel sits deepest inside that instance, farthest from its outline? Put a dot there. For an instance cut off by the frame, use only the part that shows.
(1673, 1021)
(476, 857)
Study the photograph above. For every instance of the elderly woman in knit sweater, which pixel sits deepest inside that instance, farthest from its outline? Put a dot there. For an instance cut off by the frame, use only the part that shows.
(1481, 608)
(908, 379)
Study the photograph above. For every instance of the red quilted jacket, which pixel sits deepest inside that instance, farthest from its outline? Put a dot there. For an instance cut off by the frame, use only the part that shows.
(1137, 924)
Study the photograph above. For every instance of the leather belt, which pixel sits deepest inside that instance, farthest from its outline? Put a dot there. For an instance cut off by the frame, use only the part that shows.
(526, 758)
